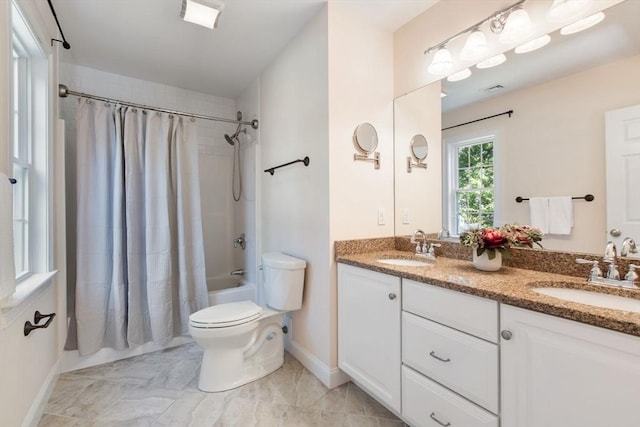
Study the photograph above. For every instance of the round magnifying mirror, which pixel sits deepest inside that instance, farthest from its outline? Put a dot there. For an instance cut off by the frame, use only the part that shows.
(419, 147)
(365, 138)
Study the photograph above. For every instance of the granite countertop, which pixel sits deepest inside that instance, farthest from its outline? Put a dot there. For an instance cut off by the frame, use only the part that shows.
(508, 285)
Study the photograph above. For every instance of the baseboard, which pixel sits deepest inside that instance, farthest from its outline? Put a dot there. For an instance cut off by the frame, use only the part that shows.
(32, 419)
(71, 360)
(330, 377)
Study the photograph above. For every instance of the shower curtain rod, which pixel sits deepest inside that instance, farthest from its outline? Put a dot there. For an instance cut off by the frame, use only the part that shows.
(64, 91)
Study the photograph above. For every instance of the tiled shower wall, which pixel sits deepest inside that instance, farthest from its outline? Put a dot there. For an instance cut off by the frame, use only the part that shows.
(219, 211)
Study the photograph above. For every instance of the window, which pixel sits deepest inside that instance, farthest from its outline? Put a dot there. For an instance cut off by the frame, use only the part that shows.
(29, 150)
(470, 180)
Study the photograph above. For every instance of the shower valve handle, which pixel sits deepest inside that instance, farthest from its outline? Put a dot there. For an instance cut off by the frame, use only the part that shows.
(240, 241)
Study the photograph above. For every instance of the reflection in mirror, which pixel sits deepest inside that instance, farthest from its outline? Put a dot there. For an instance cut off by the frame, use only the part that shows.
(554, 144)
(365, 138)
(419, 150)
(419, 147)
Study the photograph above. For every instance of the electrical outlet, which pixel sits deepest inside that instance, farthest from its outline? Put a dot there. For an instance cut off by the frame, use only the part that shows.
(381, 216)
(405, 216)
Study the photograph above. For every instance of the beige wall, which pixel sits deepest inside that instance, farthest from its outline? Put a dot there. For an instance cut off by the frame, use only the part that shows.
(418, 192)
(553, 145)
(360, 90)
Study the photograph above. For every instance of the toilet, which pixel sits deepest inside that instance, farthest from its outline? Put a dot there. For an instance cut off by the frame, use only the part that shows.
(243, 341)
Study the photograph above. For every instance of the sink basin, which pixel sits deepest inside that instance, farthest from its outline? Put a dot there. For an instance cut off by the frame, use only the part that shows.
(403, 262)
(592, 298)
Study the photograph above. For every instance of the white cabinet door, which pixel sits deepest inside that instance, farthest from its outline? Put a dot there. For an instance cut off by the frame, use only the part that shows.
(369, 331)
(560, 373)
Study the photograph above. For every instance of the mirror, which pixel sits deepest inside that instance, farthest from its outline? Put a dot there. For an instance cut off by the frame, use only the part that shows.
(419, 147)
(553, 145)
(365, 138)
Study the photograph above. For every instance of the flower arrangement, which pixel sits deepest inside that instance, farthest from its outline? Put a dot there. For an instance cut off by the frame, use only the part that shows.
(500, 239)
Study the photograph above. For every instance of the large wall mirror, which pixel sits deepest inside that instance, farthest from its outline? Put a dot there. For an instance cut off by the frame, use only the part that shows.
(552, 145)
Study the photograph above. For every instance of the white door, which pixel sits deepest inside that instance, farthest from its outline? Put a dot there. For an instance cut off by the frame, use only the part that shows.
(623, 175)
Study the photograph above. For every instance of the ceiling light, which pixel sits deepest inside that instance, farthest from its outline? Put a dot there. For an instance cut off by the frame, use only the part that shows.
(582, 24)
(567, 10)
(533, 44)
(442, 63)
(475, 47)
(202, 12)
(492, 62)
(460, 75)
(517, 27)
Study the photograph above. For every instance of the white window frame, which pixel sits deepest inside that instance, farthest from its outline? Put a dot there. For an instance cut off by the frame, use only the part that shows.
(33, 152)
(450, 175)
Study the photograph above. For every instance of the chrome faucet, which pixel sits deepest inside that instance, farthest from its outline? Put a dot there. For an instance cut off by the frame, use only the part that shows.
(610, 251)
(628, 247)
(239, 272)
(420, 248)
(240, 241)
(612, 277)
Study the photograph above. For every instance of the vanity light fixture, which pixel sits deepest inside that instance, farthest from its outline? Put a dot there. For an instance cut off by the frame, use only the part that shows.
(512, 19)
(202, 12)
(534, 44)
(567, 10)
(475, 47)
(517, 28)
(442, 62)
(460, 75)
(582, 24)
(492, 62)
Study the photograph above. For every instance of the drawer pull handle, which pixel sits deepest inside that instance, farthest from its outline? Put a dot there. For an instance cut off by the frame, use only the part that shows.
(392, 296)
(433, 417)
(435, 356)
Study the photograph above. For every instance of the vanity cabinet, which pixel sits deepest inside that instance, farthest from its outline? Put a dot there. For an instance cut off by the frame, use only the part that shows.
(557, 372)
(369, 332)
(449, 356)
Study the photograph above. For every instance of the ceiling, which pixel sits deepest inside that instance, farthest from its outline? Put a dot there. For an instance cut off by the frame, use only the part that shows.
(147, 39)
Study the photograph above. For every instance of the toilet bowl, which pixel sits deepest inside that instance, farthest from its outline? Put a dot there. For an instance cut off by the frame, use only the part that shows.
(243, 341)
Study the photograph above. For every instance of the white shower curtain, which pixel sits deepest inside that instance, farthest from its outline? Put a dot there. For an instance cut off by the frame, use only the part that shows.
(140, 253)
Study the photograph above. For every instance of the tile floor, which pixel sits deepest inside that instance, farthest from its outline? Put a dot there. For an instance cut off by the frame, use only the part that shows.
(160, 389)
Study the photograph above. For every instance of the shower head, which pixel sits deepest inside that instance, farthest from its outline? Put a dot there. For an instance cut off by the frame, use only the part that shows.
(233, 138)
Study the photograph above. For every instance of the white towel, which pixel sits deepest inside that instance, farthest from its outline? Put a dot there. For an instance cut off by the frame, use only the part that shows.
(539, 213)
(560, 215)
(7, 269)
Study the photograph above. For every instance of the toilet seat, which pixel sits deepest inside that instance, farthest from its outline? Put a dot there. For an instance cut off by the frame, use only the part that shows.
(226, 315)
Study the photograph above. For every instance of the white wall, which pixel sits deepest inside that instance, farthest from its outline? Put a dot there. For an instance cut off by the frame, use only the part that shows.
(295, 200)
(418, 192)
(336, 74)
(553, 145)
(29, 365)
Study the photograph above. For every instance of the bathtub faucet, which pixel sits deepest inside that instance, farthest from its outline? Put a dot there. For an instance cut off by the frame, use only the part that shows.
(240, 241)
(239, 272)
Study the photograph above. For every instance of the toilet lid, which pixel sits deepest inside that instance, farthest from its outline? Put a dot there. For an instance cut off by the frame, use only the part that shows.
(223, 315)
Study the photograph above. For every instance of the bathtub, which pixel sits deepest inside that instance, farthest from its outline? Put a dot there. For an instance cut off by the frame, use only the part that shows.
(226, 288)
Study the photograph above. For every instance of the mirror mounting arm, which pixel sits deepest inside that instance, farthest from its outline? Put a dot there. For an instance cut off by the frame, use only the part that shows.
(411, 165)
(366, 158)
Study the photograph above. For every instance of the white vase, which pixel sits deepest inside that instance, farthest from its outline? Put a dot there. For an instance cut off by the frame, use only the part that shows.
(483, 262)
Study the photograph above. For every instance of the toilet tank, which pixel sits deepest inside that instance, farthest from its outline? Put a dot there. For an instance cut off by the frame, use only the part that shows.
(283, 280)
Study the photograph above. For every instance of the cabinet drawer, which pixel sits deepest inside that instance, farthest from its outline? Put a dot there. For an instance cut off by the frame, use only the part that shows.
(473, 315)
(465, 364)
(428, 404)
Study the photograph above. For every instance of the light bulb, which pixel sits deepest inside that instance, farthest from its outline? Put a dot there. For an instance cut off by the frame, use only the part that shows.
(533, 44)
(442, 63)
(517, 28)
(492, 62)
(582, 24)
(475, 47)
(460, 75)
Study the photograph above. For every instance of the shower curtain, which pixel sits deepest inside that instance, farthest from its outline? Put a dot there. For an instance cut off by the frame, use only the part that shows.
(140, 253)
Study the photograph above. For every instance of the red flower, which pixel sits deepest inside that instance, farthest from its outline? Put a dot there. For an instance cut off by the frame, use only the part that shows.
(494, 238)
